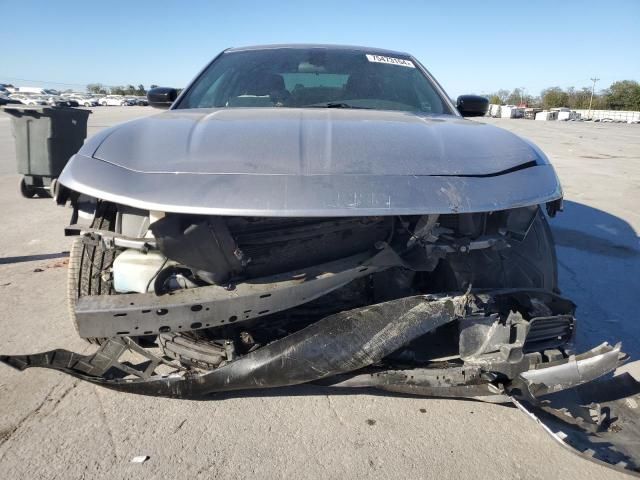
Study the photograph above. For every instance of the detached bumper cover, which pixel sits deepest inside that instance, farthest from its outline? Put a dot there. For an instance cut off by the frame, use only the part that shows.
(337, 344)
(572, 397)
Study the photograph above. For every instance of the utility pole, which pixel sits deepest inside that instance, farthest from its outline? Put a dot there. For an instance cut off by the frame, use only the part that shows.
(594, 80)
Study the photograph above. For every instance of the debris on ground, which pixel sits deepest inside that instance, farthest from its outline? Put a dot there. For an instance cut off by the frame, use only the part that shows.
(140, 459)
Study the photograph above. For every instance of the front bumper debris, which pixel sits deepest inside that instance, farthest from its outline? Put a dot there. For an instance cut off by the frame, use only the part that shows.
(598, 420)
(506, 354)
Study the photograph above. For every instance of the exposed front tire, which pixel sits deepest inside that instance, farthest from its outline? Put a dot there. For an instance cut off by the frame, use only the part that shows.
(88, 272)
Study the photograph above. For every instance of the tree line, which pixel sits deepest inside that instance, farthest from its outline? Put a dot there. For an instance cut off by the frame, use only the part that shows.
(128, 90)
(621, 95)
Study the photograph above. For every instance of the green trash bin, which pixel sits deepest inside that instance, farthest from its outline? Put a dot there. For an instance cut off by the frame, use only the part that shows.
(45, 138)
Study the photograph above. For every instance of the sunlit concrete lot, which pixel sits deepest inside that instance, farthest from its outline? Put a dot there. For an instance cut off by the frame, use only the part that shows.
(53, 426)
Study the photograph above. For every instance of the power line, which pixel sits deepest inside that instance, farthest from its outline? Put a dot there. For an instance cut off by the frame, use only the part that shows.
(593, 88)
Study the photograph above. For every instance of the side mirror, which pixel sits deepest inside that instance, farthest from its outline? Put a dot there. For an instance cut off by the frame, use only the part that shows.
(162, 97)
(472, 105)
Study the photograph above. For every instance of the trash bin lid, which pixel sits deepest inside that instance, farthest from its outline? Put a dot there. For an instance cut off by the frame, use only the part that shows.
(41, 109)
(21, 110)
(27, 108)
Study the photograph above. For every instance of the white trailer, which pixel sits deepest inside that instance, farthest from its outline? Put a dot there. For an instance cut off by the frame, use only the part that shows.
(546, 115)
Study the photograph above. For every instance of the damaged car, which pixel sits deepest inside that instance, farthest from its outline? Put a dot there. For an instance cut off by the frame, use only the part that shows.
(325, 214)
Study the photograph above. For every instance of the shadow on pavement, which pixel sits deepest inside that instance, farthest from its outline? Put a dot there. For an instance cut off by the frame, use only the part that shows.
(32, 258)
(599, 269)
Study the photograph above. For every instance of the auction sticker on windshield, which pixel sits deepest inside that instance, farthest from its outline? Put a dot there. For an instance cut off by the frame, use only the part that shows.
(390, 60)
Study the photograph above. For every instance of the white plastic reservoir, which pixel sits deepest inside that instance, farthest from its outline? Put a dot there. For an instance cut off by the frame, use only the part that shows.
(134, 271)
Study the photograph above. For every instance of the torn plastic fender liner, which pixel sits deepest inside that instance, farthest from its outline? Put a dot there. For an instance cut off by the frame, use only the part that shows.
(336, 344)
(598, 420)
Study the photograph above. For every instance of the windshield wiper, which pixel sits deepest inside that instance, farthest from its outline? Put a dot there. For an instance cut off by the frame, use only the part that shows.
(335, 105)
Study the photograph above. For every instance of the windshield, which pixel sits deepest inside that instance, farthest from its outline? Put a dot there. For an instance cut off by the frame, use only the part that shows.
(313, 77)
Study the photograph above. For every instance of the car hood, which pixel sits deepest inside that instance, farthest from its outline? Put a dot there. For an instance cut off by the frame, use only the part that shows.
(310, 162)
(270, 141)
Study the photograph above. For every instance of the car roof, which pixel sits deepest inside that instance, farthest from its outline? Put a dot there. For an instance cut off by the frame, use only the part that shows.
(371, 50)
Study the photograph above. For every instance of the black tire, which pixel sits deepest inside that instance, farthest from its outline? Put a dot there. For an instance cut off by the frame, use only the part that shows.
(87, 264)
(530, 263)
(27, 191)
(43, 193)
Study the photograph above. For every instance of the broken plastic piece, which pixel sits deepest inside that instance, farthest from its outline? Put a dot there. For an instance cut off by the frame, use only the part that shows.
(598, 420)
(576, 371)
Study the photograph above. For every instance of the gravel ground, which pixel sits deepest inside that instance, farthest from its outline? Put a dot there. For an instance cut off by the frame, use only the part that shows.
(53, 426)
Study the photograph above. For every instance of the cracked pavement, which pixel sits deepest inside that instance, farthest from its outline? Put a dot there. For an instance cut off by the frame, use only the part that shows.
(52, 426)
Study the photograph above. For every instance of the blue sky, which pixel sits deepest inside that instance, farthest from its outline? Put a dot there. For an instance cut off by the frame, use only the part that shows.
(470, 46)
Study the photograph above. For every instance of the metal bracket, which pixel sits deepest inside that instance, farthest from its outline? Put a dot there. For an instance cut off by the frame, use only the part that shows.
(211, 306)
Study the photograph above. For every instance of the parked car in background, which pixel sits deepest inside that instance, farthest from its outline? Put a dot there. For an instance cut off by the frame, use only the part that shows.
(59, 101)
(56, 101)
(7, 100)
(18, 97)
(113, 100)
(29, 99)
(141, 101)
(50, 100)
(85, 100)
